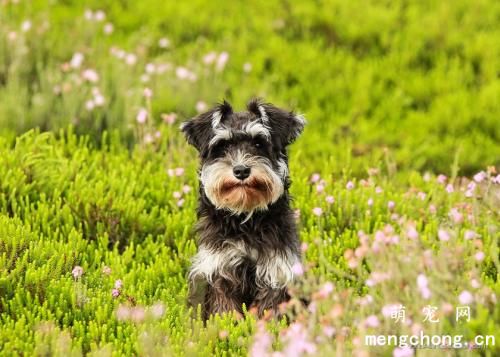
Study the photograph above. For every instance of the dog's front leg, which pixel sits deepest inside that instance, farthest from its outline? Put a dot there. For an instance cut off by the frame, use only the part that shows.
(269, 299)
(222, 296)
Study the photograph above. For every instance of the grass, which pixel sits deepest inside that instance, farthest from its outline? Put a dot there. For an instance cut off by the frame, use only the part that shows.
(401, 100)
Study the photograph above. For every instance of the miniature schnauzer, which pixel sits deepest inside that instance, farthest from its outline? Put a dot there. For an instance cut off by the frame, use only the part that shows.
(248, 241)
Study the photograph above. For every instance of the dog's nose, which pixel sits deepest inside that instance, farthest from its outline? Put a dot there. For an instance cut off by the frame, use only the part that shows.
(241, 172)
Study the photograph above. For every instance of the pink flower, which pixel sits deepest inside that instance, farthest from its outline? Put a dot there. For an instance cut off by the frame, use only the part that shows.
(496, 179)
(465, 297)
(180, 202)
(169, 118)
(90, 75)
(378, 190)
(106, 270)
(329, 331)
(441, 179)
(480, 176)
(118, 284)
(99, 15)
(186, 188)
(391, 205)
(247, 67)
(130, 59)
(449, 188)
(320, 188)
(325, 290)
(76, 60)
(422, 196)
(123, 313)
(150, 68)
(88, 14)
(137, 314)
(221, 61)
(330, 199)
(210, 58)
(304, 246)
(179, 171)
(432, 209)
(142, 116)
(262, 342)
(315, 178)
(422, 281)
(456, 216)
(182, 72)
(370, 202)
(115, 293)
(412, 233)
(148, 138)
(108, 28)
(350, 185)
(479, 256)
(201, 106)
(297, 341)
(99, 100)
(89, 105)
(77, 272)
(148, 93)
(157, 310)
(298, 269)
(475, 284)
(372, 321)
(317, 211)
(422, 284)
(443, 235)
(403, 352)
(163, 42)
(26, 26)
(470, 234)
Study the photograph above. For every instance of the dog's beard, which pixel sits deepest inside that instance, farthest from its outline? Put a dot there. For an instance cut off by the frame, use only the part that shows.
(260, 189)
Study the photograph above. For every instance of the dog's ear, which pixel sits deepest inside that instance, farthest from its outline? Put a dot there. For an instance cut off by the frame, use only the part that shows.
(200, 129)
(285, 124)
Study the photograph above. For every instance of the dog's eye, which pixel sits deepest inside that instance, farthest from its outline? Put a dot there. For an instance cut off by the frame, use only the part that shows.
(258, 143)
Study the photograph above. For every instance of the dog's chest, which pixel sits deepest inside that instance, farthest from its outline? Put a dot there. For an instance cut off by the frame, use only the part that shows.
(272, 268)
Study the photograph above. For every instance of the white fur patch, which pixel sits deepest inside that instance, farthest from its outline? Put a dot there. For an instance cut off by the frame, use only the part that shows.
(208, 262)
(254, 128)
(263, 115)
(275, 270)
(216, 119)
(221, 133)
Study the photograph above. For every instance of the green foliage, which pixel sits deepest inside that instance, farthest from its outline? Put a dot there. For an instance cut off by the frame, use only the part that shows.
(417, 81)
(390, 90)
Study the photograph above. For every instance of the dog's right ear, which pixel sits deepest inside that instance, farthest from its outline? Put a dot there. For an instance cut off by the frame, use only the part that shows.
(200, 129)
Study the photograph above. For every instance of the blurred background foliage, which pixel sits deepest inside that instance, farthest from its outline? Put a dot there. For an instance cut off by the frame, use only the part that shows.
(407, 84)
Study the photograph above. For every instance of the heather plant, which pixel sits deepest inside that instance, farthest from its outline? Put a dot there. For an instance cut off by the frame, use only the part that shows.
(395, 180)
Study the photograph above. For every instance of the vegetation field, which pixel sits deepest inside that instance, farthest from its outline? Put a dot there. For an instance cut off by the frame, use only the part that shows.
(396, 178)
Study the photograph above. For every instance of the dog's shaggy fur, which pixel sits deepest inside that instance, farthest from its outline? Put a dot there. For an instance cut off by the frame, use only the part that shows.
(248, 241)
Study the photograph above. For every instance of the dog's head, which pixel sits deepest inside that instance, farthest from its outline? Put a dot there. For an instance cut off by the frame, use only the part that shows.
(244, 164)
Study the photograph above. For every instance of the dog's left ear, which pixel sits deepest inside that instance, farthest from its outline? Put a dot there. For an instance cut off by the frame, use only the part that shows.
(287, 125)
(200, 129)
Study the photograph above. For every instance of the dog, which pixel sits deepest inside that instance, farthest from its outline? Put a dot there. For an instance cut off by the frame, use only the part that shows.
(248, 241)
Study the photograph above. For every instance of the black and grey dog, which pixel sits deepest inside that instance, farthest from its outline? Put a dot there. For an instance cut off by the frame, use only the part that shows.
(248, 241)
